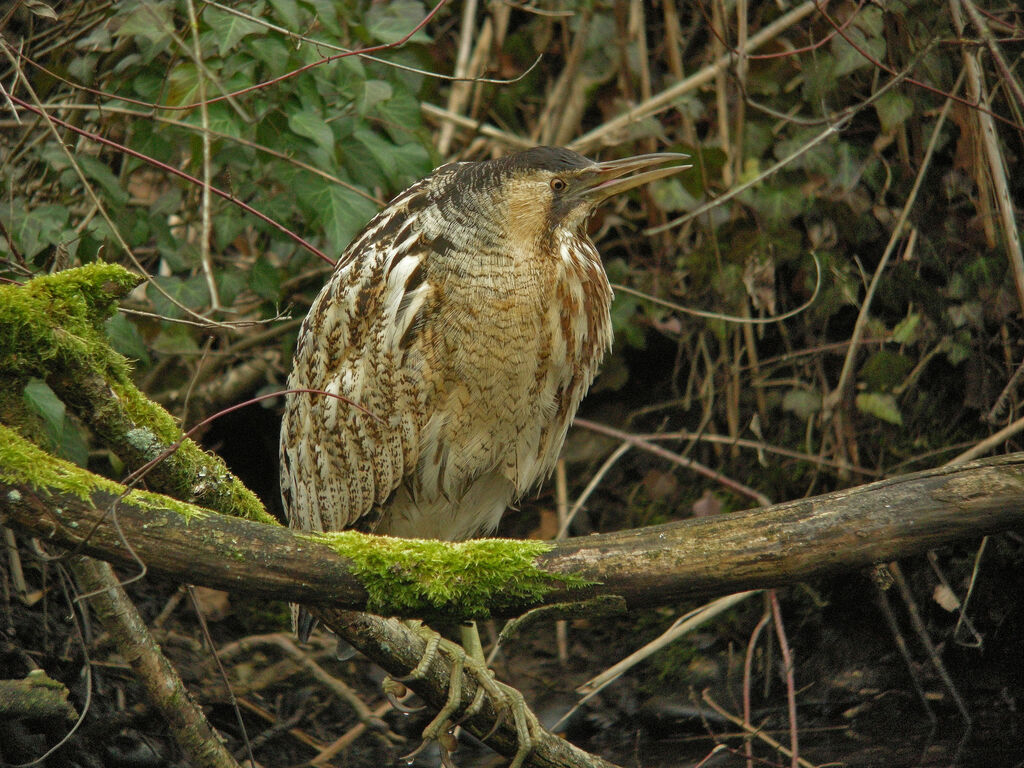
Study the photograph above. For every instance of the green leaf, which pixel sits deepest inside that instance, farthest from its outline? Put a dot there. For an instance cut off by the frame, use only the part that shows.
(228, 224)
(881, 406)
(866, 35)
(191, 293)
(311, 125)
(150, 21)
(801, 403)
(34, 229)
(671, 195)
(905, 331)
(40, 398)
(893, 109)
(64, 435)
(126, 339)
(175, 340)
(98, 171)
(343, 214)
(224, 120)
(182, 84)
(374, 92)
(360, 164)
(390, 22)
(229, 28)
(624, 316)
(265, 280)
(381, 150)
(230, 283)
(885, 370)
(400, 114)
(778, 204)
(273, 53)
(413, 161)
(326, 12)
(958, 347)
(287, 12)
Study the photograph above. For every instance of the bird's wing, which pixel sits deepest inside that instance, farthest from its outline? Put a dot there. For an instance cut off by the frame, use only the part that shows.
(342, 459)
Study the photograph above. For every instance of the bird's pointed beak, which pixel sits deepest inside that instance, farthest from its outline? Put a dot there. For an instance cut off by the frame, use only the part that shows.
(613, 177)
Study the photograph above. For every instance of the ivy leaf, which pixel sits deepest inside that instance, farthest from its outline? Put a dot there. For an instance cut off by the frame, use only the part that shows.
(400, 114)
(624, 321)
(191, 293)
(380, 150)
(265, 280)
(182, 84)
(801, 402)
(36, 228)
(342, 212)
(224, 120)
(390, 22)
(149, 21)
(905, 331)
(288, 12)
(98, 171)
(413, 161)
(64, 435)
(44, 403)
(126, 339)
(881, 406)
(311, 125)
(374, 92)
(893, 109)
(885, 369)
(229, 28)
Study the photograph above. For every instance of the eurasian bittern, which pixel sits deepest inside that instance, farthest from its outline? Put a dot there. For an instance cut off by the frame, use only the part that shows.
(468, 318)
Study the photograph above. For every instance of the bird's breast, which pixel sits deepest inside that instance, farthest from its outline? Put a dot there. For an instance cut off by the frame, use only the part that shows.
(516, 340)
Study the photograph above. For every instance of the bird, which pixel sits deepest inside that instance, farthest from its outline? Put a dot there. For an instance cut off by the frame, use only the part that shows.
(437, 372)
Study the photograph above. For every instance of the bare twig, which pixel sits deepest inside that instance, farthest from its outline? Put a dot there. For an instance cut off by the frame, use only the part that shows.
(845, 383)
(182, 715)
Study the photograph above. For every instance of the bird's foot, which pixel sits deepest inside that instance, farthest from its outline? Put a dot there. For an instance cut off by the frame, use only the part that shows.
(506, 700)
(394, 687)
(525, 722)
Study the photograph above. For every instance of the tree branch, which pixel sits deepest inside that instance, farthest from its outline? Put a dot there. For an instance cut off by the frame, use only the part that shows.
(659, 565)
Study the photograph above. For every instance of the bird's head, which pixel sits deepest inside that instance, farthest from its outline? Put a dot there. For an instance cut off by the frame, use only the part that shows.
(546, 189)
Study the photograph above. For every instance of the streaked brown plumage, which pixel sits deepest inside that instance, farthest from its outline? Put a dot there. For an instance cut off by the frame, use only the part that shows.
(469, 318)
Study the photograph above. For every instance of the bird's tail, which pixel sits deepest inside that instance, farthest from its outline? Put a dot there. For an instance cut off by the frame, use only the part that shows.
(303, 622)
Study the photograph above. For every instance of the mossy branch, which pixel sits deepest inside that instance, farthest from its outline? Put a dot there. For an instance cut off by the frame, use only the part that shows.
(776, 545)
(53, 328)
(35, 696)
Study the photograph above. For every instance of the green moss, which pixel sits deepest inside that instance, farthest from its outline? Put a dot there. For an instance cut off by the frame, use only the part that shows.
(74, 304)
(55, 324)
(468, 579)
(22, 463)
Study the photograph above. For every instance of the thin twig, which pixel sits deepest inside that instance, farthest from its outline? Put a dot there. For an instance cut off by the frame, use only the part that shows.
(748, 663)
(681, 626)
(846, 375)
(787, 661)
(675, 458)
(610, 132)
(206, 229)
(751, 730)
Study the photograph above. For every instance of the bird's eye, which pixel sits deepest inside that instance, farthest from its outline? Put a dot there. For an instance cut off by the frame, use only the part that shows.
(558, 185)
